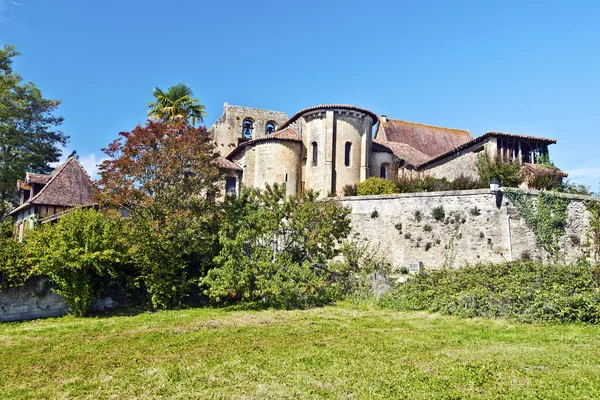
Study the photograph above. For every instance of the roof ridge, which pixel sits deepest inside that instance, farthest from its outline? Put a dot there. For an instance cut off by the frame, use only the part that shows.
(422, 124)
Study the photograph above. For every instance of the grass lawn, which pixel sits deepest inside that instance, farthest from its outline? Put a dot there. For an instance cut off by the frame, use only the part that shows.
(343, 351)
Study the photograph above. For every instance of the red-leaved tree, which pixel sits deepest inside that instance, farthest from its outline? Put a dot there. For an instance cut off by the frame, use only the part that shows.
(163, 175)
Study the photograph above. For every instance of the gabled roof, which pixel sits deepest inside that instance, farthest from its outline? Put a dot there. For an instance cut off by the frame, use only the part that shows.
(69, 185)
(427, 139)
(403, 151)
(288, 134)
(483, 138)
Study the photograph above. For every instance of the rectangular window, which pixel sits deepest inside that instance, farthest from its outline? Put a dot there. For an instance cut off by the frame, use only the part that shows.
(230, 185)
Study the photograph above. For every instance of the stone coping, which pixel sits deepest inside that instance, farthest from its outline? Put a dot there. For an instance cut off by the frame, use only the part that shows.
(448, 193)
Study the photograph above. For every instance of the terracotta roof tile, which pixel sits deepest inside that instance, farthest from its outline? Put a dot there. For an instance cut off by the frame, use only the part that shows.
(69, 185)
(427, 139)
(32, 177)
(223, 163)
(288, 134)
(403, 151)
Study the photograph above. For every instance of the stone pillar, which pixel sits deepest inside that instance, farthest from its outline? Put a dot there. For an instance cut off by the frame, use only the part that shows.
(329, 149)
(365, 148)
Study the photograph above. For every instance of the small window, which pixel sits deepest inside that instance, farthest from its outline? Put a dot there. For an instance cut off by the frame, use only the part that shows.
(315, 154)
(271, 126)
(230, 185)
(384, 171)
(347, 152)
(248, 128)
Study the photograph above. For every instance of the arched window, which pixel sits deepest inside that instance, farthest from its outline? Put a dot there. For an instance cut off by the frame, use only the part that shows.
(347, 152)
(271, 126)
(384, 171)
(315, 154)
(248, 128)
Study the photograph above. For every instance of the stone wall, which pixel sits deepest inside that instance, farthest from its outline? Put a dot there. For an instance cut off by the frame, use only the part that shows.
(474, 228)
(34, 300)
(37, 300)
(460, 163)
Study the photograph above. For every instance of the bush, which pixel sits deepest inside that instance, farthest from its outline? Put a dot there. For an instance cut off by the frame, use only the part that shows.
(509, 174)
(430, 184)
(274, 249)
(372, 186)
(523, 290)
(547, 180)
(80, 254)
(349, 190)
(356, 274)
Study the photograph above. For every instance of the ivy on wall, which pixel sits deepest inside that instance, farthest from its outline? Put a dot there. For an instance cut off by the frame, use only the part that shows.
(546, 216)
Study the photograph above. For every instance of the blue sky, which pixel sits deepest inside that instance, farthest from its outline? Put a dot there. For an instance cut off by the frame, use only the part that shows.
(529, 67)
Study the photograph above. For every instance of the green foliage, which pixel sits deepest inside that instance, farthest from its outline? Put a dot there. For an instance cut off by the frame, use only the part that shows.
(80, 254)
(375, 214)
(15, 268)
(438, 213)
(359, 266)
(574, 188)
(29, 140)
(374, 185)
(546, 216)
(427, 228)
(545, 161)
(176, 104)
(509, 174)
(430, 184)
(475, 211)
(274, 249)
(522, 290)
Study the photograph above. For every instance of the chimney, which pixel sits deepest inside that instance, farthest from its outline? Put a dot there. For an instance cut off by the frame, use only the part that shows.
(383, 118)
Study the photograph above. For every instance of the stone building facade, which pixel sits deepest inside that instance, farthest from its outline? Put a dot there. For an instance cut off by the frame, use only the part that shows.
(327, 147)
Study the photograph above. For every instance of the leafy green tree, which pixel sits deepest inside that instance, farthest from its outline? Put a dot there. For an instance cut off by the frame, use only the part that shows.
(80, 254)
(274, 249)
(176, 104)
(29, 140)
(15, 268)
(163, 173)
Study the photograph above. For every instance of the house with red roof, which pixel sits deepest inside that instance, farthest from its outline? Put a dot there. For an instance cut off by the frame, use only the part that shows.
(45, 198)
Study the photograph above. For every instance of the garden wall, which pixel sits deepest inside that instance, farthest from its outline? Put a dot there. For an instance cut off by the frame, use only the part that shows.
(474, 227)
(34, 300)
(37, 300)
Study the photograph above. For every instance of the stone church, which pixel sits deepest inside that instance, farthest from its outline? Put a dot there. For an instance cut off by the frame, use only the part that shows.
(329, 146)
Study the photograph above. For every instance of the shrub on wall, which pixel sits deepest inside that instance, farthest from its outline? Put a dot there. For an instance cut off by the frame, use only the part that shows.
(375, 185)
(523, 290)
(509, 174)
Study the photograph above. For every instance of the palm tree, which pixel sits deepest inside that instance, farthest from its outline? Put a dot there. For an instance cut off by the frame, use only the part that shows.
(177, 103)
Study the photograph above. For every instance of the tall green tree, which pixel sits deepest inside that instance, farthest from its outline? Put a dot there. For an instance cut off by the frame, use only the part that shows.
(29, 138)
(176, 104)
